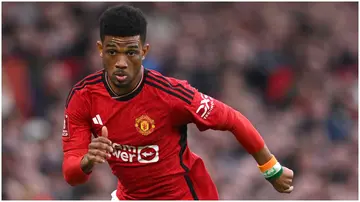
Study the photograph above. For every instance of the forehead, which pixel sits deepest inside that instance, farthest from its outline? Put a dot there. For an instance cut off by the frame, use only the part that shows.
(122, 40)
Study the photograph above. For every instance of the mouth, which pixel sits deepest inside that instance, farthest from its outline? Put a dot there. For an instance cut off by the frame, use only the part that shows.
(120, 76)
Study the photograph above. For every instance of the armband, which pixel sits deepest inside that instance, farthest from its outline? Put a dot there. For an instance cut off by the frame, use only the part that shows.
(272, 169)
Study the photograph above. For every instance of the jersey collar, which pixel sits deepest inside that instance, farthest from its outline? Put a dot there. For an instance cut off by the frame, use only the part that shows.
(129, 95)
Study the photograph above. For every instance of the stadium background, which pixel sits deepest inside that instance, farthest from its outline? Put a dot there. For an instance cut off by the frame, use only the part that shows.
(291, 68)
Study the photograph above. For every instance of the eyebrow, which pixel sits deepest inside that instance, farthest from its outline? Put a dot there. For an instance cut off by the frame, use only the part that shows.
(113, 45)
(110, 45)
(133, 46)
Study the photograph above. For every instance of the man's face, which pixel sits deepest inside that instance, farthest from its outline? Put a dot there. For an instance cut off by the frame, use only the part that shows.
(122, 59)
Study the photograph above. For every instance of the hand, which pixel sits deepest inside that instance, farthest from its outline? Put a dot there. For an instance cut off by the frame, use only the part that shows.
(99, 151)
(283, 184)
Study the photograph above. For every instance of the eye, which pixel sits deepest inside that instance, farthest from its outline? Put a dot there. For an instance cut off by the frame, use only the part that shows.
(111, 52)
(131, 53)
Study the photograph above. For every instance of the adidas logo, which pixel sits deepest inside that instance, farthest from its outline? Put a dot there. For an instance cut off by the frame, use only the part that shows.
(97, 120)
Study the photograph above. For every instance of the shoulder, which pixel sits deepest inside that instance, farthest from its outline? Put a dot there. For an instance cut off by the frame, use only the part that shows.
(177, 89)
(83, 87)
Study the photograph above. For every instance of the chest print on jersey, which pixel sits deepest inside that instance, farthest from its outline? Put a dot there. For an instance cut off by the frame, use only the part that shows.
(144, 125)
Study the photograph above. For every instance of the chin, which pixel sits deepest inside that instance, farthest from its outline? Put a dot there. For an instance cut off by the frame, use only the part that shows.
(123, 84)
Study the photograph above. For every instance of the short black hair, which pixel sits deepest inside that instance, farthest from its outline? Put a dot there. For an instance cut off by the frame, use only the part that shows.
(123, 20)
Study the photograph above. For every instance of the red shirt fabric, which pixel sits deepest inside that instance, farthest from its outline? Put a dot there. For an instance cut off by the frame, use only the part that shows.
(147, 127)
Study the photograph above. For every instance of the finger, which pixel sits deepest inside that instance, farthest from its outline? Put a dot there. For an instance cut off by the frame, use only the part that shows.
(285, 186)
(102, 154)
(96, 145)
(101, 146)
(291, 174)
(280, 187)
(96, 159)
(282, 183)
(104, 131)
(289, 190)
(100, 159)
(284, 180)
(288, 173)
(102, 139)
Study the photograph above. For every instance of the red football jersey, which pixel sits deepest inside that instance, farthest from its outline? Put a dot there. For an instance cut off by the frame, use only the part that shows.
(147, 127)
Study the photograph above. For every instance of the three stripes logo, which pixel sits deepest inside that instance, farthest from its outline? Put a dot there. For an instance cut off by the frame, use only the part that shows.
(97, 120)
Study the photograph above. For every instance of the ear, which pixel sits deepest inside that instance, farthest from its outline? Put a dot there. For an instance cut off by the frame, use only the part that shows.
(100, 48)
(145, 50)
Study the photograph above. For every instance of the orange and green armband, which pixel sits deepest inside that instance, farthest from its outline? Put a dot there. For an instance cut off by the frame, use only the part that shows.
(271, 169)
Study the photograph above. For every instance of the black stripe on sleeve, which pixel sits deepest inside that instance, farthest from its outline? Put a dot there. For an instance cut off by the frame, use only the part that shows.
(168, 91)
(88, 78)
(169, 84)
(183, 144)
(81, 87)
(79, 84)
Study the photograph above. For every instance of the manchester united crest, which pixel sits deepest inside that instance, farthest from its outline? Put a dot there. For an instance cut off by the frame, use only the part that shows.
(145, 125)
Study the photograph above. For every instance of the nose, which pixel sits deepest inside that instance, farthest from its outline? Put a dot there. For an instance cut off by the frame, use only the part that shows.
(121, 63)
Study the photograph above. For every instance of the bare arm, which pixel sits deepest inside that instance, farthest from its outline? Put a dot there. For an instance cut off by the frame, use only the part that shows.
(262, 156)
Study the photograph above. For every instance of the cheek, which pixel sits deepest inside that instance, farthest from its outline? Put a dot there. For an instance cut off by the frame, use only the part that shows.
(136, 60)
(108, 65)
(108, 61)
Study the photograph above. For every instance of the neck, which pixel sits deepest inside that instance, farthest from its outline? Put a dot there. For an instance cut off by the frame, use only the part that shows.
(122, 91)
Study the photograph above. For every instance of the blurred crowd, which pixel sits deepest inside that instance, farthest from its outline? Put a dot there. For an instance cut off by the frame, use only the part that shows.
(290, 68)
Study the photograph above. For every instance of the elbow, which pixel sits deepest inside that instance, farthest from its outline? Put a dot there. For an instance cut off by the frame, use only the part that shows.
(73, 183)
(72, 179)
(73, 173)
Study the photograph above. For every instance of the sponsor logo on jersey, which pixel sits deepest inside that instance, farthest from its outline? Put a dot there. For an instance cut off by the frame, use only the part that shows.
(206, 106)
(144, 125)
(141, 154)
(65, 132)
